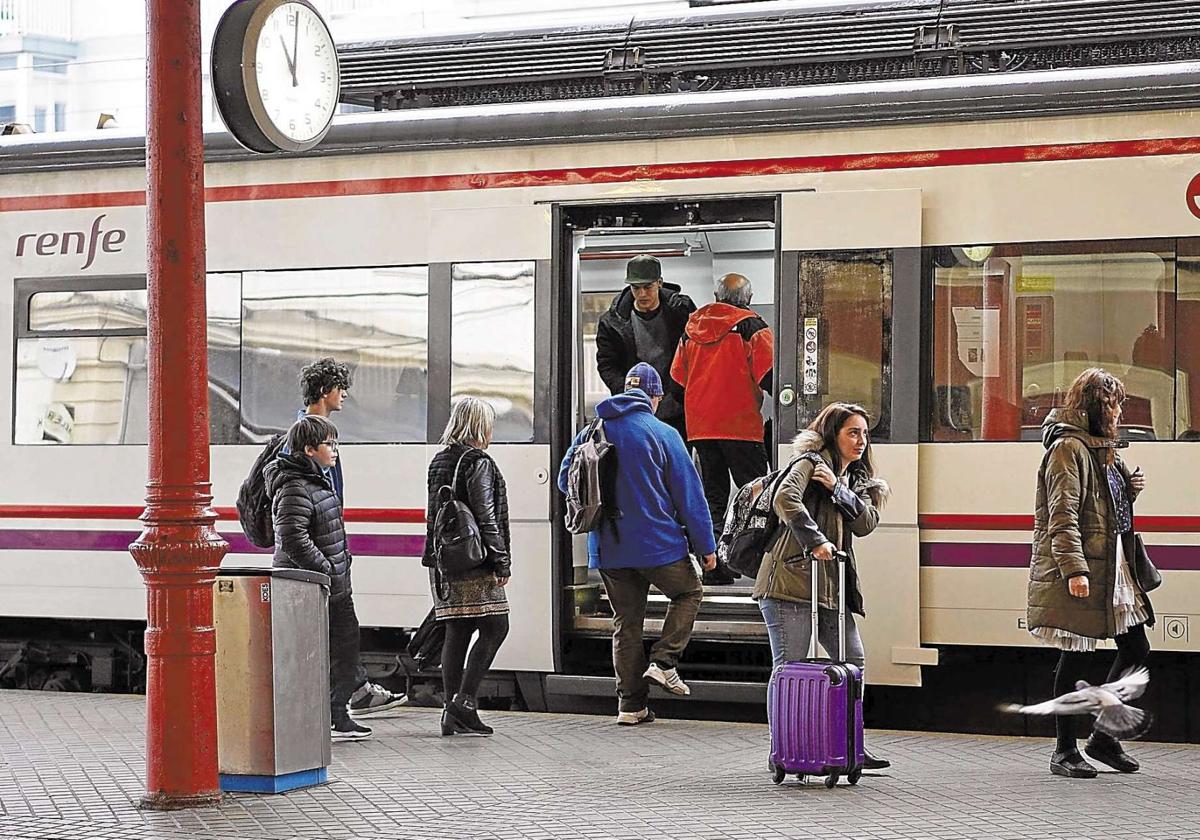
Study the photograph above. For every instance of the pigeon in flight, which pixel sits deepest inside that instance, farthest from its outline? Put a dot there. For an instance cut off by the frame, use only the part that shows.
(1106, 702)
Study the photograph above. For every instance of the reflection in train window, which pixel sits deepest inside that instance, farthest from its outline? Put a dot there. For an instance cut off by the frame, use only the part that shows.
(844, 317)
(224, 301)
(373, 319)
(88, 310)
(82, 390)
(491, 342)
(1187, 354)
(1015, 324)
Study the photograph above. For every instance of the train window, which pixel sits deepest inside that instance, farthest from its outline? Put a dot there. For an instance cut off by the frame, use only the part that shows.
(844, 315)
(1187, 354)
(87, 310)
(1015, 324)
(492, 341)
(374, 319)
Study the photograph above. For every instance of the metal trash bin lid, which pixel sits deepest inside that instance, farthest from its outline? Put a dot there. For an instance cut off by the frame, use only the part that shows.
(268, 571)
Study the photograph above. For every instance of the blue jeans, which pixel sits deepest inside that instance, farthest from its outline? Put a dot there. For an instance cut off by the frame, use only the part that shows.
(789, 628)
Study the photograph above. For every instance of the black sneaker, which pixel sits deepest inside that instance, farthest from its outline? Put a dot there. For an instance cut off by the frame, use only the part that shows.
(370, 700)
(348, 730)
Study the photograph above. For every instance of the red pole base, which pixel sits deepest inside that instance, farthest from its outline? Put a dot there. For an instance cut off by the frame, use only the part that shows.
(179, 563)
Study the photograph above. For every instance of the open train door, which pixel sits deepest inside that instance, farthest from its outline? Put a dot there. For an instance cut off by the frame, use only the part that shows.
(849, 329)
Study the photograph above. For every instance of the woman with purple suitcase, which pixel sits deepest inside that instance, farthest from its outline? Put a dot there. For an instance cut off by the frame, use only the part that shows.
(828, 495)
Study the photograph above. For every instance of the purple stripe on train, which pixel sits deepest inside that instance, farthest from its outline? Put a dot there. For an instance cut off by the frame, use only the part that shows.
(361, 545)
(1016, 555)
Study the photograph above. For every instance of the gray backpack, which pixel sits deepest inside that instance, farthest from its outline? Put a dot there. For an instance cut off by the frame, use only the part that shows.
(591, 482)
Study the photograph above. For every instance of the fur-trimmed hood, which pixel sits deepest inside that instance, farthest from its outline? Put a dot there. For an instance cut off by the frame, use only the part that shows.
(877, 488)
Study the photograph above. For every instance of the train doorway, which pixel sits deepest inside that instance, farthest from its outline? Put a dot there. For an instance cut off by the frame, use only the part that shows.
(697, 241)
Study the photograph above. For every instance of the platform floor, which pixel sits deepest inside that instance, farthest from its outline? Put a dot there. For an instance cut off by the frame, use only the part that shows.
(71, 766)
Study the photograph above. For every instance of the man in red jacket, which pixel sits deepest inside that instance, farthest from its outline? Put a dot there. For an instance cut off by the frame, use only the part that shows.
(724, 363)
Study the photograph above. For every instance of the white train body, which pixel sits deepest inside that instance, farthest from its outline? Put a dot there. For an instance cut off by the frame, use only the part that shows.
(940, 569)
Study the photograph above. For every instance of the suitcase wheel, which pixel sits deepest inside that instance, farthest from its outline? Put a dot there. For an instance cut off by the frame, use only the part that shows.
(779, 774)
(831, 780)
(854, 776)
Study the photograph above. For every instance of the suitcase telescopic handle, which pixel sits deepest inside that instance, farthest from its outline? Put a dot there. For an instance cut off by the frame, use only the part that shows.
(814, 601)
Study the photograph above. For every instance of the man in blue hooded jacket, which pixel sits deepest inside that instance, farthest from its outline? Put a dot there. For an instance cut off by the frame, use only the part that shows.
(662, 517)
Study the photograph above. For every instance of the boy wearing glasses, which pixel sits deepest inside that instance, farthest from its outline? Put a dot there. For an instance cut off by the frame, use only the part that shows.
(310, 534)
(644, 324)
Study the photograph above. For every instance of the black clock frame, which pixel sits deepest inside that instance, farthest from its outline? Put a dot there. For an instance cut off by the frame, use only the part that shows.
(235, 85)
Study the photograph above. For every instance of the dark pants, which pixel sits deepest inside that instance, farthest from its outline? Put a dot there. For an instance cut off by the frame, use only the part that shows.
(627, 591)
(462, 673)
(1132, 650)
(346, 672)
(744, 460)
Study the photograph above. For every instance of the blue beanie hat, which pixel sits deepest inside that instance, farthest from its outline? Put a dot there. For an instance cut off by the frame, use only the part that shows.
(645, 378)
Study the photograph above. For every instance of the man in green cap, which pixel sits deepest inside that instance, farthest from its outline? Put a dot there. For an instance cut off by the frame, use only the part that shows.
(644, 324)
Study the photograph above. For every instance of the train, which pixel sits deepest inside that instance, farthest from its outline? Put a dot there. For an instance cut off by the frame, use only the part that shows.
(949, 251)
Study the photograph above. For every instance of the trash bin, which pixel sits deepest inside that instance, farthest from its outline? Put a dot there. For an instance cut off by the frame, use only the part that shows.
(272, 671)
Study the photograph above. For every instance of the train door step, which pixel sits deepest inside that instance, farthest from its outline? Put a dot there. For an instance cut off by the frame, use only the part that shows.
(702, 690)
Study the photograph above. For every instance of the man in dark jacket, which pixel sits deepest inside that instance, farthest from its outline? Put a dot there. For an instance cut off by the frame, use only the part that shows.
(663, 516)
(724, 364)
(644, 324)
(310, 534)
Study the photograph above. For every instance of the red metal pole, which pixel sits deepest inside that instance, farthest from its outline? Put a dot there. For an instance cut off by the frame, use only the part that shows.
(178, 550)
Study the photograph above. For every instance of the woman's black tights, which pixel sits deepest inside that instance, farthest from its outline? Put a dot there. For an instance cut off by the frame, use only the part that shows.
(462, 673)
(1132, 650)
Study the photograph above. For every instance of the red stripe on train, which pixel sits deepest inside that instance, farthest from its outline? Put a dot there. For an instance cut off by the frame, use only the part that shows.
(1023, 522)
(638, 172)
(394, 515)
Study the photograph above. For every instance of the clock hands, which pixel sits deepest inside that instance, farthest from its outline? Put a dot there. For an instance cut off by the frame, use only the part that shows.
(291, 61)
(295, 47)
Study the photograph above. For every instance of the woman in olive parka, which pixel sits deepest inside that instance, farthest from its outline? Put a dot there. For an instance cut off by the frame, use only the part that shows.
(1081, 585)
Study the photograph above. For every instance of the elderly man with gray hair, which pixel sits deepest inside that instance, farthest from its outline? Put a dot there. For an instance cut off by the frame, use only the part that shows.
(724, 363)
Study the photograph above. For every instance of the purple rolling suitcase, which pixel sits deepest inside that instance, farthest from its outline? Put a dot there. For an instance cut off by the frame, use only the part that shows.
(816, 707)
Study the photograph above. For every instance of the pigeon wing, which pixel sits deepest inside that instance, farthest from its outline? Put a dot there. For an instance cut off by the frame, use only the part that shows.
(1073, 703)
(1124, 722)
(1131, 684)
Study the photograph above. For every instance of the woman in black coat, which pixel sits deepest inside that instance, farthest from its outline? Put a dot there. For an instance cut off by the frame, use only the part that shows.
(474, 602)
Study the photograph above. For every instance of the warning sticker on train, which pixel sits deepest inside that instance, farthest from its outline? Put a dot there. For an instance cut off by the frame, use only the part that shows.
(1193, 196)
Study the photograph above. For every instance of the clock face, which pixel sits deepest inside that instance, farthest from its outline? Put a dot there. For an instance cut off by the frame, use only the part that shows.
(295, 70)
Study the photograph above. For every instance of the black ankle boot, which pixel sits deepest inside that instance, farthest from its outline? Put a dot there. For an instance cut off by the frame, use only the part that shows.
(466, 713)
(1072, 765)
(451, 725)
(1107, 750)
(874, 762)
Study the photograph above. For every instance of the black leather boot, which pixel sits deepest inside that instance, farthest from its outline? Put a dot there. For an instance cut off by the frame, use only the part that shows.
(874, 762)
(465, 713)
(1107, 750)
(1072, 765)
(451, 725)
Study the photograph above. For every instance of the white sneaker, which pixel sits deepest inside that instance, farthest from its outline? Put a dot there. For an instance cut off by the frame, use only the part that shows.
(634, 718)
(370, 699)
(668, 678)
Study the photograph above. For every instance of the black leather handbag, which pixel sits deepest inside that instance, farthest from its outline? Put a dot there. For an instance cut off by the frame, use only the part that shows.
(1148, 576)
(457, 546)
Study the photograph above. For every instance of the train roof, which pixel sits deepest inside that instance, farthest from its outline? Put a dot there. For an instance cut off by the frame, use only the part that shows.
(1092, 91)
(768, 45)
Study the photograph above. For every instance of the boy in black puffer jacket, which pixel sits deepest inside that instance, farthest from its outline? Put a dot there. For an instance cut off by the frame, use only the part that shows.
(310, 534)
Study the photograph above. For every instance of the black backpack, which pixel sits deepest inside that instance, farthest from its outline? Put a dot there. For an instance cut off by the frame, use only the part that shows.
(253, 502)
(751, 525)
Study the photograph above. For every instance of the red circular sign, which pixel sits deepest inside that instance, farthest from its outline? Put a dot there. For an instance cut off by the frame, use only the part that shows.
(1193, 196)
